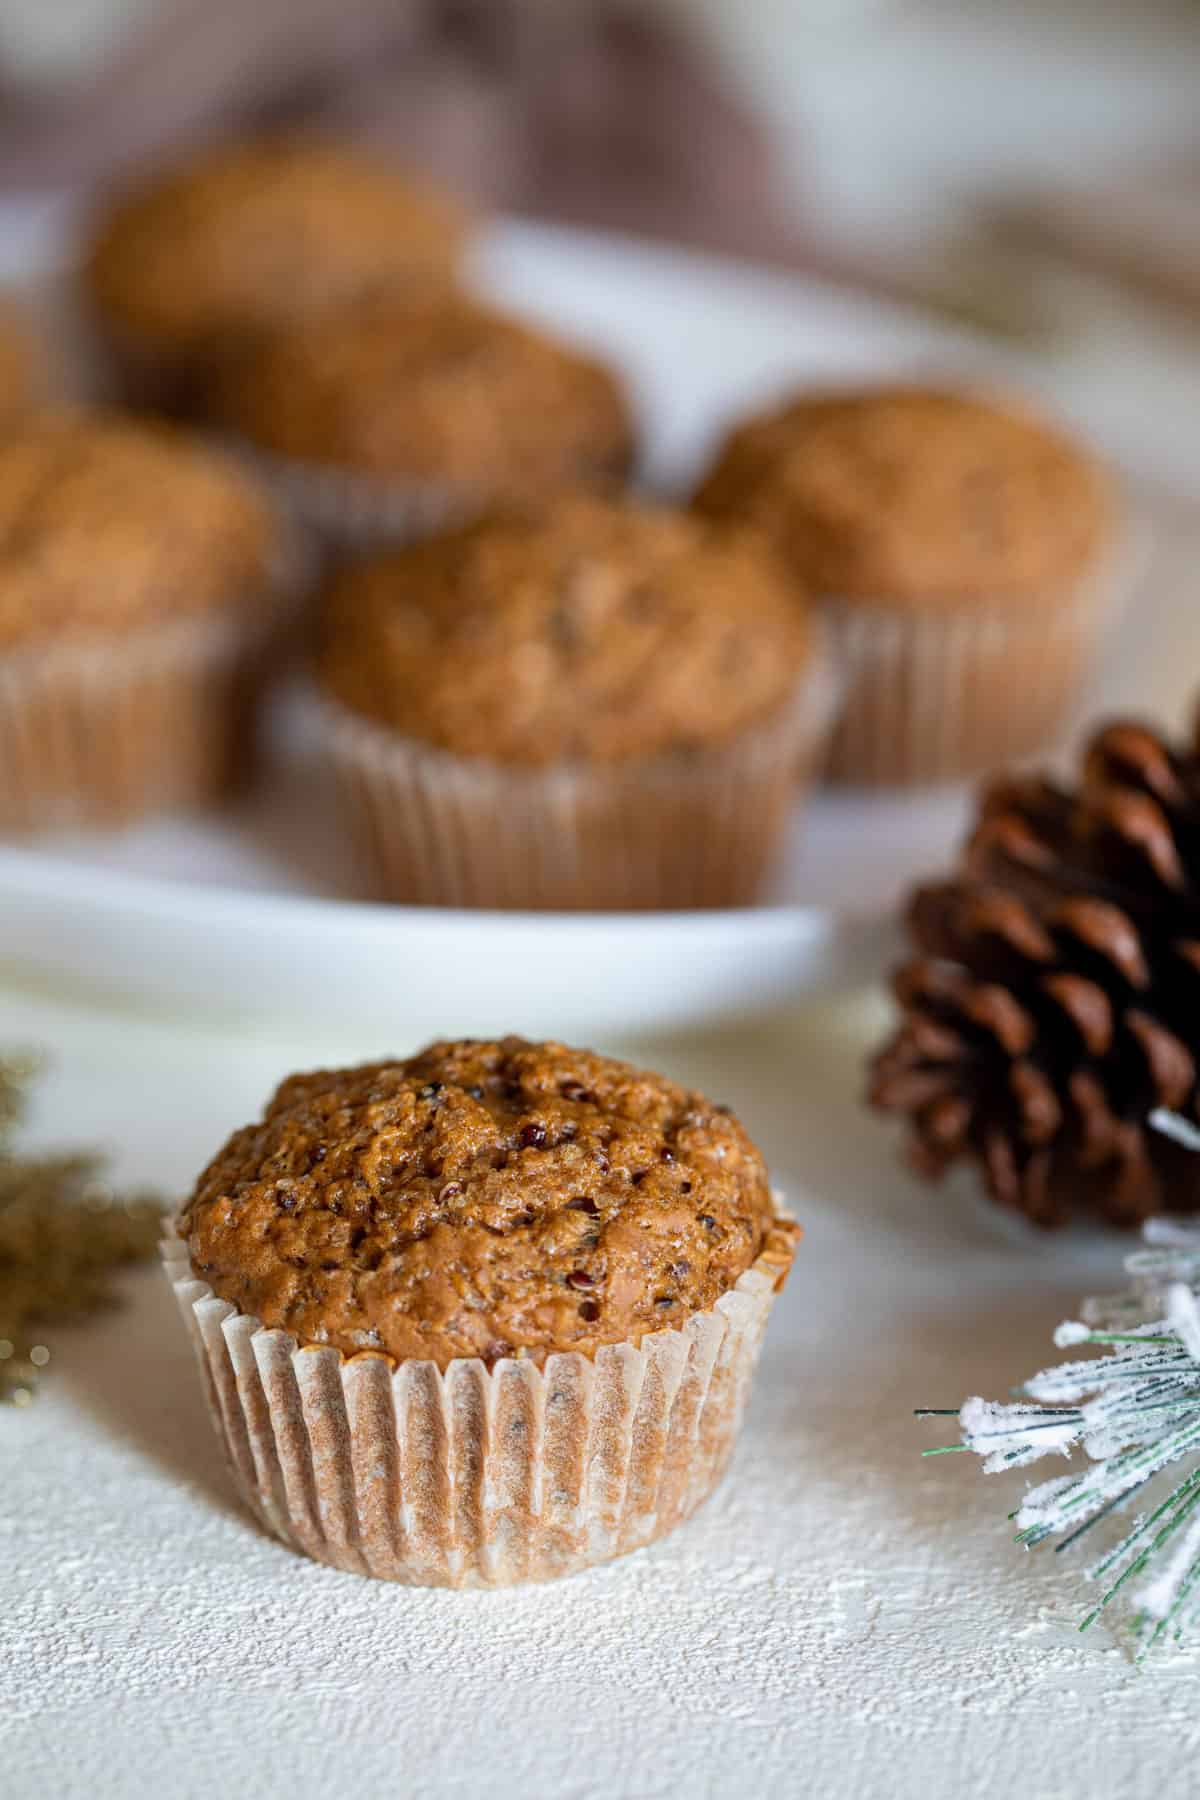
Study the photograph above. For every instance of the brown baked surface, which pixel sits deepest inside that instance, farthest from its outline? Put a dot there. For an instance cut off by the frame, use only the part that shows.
(592, 629)
(24, 378)
(107, 524)
(914, 495)
(246, 236)
(432, 390)
(480, 1199)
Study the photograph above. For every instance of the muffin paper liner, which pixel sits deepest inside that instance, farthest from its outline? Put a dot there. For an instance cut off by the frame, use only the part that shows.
(344, 510)
(100, 733)
(676, 831)
(474, 1477)
(939, 695)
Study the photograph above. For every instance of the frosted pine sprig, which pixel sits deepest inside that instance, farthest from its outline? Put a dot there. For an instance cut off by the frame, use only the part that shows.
(1134, 1412)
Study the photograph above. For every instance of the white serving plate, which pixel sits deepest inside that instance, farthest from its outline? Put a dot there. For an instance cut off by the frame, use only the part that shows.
(252, 913)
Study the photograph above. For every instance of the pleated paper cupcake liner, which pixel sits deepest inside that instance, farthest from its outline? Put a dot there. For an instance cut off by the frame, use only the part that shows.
(675, 831)
(474, 1477)
(102, 733)
(347, 511)
(344, 510)
(936, 696)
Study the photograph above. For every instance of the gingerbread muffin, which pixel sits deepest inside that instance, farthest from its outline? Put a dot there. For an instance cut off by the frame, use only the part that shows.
(384, 419)
(24, 376)
(138, 584)
(590, 704)
(249, 236)
(484, 1315)
(961, 551)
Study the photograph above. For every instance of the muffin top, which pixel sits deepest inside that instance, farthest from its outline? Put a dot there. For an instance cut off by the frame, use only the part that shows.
(248, 235)
(24, 384)
(436, 389)
(914, 496)
(590, 630)
(480, 1199)
(107, 524)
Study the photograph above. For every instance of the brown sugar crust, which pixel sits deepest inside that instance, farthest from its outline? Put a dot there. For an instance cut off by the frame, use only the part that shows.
(480, 1199)
(249, 235)
(24, 377)
(436, 390)
(107, 524)
(592, 630)
(914, 496)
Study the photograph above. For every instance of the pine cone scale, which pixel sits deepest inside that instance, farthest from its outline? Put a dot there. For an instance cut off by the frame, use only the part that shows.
(1086, 1006)
(1104, 930)
(1170, 1068)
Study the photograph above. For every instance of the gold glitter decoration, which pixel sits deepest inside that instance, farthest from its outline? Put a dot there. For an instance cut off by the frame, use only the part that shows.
(63, 1234)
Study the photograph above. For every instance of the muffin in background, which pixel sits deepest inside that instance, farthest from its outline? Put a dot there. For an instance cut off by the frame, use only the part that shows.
(246, 237)
(589, 704)
(138, 587)
(383, 420)
(961, 552)
(25, 381)
(483, 1316)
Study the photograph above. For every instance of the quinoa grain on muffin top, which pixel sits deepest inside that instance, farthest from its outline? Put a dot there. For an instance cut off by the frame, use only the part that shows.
(480, 1199)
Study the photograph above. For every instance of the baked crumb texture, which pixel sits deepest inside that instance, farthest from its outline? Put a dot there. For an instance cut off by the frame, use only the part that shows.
(108, 525)
(246, 237)
(481, 1199)
(590, 631)
(914, 497)
(431, 391)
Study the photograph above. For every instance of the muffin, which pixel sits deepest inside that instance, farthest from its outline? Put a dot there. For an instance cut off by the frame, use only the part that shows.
(246, 237)
(486, 1315)
(387, 418)
(585, 705)
(138, 580)
(24, 377)
(961, 552)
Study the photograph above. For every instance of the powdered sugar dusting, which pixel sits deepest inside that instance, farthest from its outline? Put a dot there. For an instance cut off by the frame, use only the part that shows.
(843, 1618)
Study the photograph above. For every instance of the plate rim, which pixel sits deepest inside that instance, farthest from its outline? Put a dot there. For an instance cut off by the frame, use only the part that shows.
(36, 874)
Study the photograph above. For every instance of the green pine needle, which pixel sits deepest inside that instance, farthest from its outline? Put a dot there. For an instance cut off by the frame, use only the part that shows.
(63, 1235)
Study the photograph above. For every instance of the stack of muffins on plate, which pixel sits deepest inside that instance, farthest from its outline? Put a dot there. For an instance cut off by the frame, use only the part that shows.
(535, 690)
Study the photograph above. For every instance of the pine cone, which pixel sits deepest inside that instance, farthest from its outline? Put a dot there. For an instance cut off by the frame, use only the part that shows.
(1054, 1000)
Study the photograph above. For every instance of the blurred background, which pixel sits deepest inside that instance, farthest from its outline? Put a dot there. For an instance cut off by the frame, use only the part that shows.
(1030, 166)
(951, 147)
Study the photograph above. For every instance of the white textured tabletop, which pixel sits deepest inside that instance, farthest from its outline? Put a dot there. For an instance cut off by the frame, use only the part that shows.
(842, 1620)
